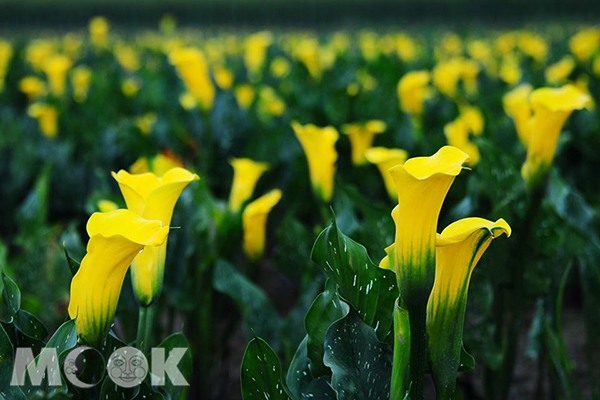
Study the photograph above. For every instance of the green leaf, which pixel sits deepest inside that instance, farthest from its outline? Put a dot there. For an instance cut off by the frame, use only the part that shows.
(257, 310)
(11, 295)
(6, 360)
(185, 364)
(71, 262)
(111, 391)
(30, 325)
(325, 310)
(569, 204)
(146, 393)
(261, 374)
(361, 365)
(300, 380)
(370, 290)
(33, 213)
(467, 362)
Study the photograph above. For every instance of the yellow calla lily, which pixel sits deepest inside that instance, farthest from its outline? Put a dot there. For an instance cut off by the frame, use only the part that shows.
(254, 220)
(255, 52)
(244, 94)
(81, 78)
(107, 206)
(457, 133)
(116, 238)
(516, 105)
(32, 86)
(413, 90)
(559, 72)
(422, 184)
(459, 248)
(361, 137)
(385, 159)
(246, 174)
(56, 68)
(99, 31)
(47, 117)
(193, 70)
(152, 197)
(551, 109)
(319, 146)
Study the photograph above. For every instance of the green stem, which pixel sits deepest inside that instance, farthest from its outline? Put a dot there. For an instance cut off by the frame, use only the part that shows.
(145, 321)
(418, 351)
(401, 353)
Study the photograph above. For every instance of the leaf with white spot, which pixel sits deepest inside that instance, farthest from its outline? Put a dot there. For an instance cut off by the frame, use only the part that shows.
(261, 374)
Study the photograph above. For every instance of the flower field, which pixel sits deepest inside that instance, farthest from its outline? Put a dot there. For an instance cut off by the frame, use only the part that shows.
(353, 214)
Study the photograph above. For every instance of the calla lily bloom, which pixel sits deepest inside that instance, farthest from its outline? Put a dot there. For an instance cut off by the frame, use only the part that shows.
(47, 117)
(361, 137)
(459, 248)
(458, 135)
(386, 159)
(559, 72)
(516, 105)
(159, 165)
(154, 198)
(422, 184)
(32, 86)
(551, 109)
(193, 70)
(81, 78)
(319, 146)
(255, 52)
(56, 68)
(116, 238)
(413, 90)
(246, 174)
(254, 220)
(99, 31)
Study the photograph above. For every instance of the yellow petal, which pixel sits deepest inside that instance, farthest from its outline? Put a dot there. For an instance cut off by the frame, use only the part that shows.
(516, 105)
(319, 147)
(385, 159)
(422, 184)
(254, 220)
(551, 109)
(115, 239)
(361, 137)
(246, 174)
(413, 90)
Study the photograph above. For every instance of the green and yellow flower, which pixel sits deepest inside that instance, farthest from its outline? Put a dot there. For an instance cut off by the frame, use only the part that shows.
(361, 137)
(116, 238)
(47, 117)
(385, 159)
(517, 106)
(459, 248)
(152, 197)
(413, 90)
(246, 174)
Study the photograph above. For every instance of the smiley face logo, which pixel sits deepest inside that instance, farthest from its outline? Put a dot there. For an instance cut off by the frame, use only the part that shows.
(78, 370)
(127, 367)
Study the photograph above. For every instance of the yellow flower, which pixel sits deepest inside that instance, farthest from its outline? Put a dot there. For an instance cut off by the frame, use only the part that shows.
(130, 87)
(551, 109)
(516, 105)
(534, 46)
(361, 137)
(560, 71)
(38, 52)
(386, 159)
(457, 133)
(473, 117)
(459, 248)
(244, 94)
(47, 117)
(269, 102)
(585, 43)
(446, 76)
(167, 24)
(158, 165)
(510, 70)
(255, 52)
(127, 57)
(319, 147)
(145, 122)
(116, 238)
(56, 68)
(246, 174)
(99, 31)
(596, 65)
(307, 52)
(367, 42)
(406, 47)
(81, 78)
(5, 56)
(506, 43)
(105, 206)
(193, 70)
(413, 90)
(152, 197)
(223, 77)
(32, 86)
(422, 184)
(280, 67)
(254, 220)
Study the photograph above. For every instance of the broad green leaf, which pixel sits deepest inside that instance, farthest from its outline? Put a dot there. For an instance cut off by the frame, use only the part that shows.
(147, 393)
(370, 290)
(257, 310)
(467, 362)
(325, 310)
(185, 365)
(111, 391)
(30, 325)
(361, 365)
(300, 380)
(261, 373)
(11, 295)
(568, 203)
